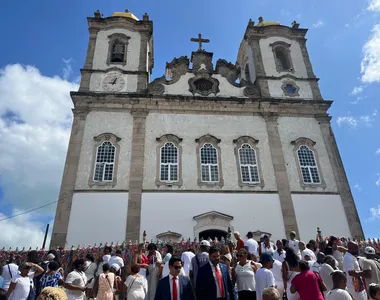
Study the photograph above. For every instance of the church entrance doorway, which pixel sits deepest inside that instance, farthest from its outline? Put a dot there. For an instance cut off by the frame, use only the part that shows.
(212, 234)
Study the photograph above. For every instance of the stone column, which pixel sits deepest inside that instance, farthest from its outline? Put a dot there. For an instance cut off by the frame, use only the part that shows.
(86, 75)
(341, 178)
(254, 43)
(61, 221)
(136, 175)
(143, 77)
(283, 187)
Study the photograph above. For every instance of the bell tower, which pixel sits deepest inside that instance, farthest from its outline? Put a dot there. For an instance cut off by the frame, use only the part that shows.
(120, 54)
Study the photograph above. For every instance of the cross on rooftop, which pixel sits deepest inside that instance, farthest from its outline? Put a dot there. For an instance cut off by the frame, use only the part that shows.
(199, 40)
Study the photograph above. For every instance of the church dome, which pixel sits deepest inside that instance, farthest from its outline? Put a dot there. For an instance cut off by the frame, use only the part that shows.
(263, 23)
(126, 14)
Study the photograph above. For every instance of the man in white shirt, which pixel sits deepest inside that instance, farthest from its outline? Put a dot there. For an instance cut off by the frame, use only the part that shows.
(355, 282)
(10, 271)
(339, 289)
(293, 243)
(186, 258)
(327, 268)
(117, 259)
(316, 267)
(264, 277)
(252, 246)
(371, 268)
(277, 274)
(280, 253)
(76, 281)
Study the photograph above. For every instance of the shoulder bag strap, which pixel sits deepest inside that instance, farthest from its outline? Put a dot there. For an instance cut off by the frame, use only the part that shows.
(10, 273)
(129, 288)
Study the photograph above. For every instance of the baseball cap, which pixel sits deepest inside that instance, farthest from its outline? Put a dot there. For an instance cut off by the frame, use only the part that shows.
(266, 257)
(205, 243)
(369, 250)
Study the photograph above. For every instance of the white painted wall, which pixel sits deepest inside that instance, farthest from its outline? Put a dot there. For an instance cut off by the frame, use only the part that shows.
(181, 87)
(193, 126)
(175, 211)
(96, 82)
(249, 58)
(97, 122)
(324, 211)
(97, 218)
(292, 128)
(295, 52)
(102, 46)
(276, 91)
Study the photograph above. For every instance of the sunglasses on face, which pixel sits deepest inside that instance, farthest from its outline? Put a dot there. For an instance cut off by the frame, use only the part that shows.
(177, 267)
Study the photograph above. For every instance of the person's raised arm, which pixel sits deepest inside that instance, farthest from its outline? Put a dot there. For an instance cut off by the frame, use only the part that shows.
(10, 290)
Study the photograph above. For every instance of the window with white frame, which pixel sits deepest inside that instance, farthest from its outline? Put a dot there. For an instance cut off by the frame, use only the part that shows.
(248, 164)
(105, 162)
(308, 165)
(169, 163)
(209, 163)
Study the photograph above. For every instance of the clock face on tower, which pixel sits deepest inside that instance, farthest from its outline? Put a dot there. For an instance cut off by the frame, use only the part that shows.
(113, 82)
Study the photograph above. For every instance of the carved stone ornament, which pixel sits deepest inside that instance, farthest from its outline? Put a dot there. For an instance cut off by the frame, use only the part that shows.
(251, 91)
(212, 220)
(202, 60)
(176, 68)
(203, 84)
(228, 71)
(290, 89)
(156, 87)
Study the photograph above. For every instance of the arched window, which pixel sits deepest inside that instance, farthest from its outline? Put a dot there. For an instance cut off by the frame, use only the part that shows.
(209, 163)
(247, 75)
(308, 165)
(248, 164)
(117, 52)
(105, 162)
(169, 163)
(282, 57)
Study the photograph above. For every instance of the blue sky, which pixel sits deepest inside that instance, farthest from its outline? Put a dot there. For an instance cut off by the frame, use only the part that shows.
(45, 43)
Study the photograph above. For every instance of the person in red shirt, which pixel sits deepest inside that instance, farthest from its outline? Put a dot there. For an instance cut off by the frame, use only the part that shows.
(240, 242)
(309, 285)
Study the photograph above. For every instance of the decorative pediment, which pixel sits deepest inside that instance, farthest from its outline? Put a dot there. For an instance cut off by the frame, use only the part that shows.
(213, 215)
(203, 84)
(169, 236)
(202, 60)
(258, 233)
(107, 136)
(176, 68)
(213, 220)
(208, 138)
(303, 141)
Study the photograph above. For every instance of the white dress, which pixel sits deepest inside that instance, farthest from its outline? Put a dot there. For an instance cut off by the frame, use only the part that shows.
(291, 275)
(137, 287)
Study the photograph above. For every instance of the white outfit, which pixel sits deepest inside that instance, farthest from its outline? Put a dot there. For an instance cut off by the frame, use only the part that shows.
(339, 258)
(90, 272)
(294, 245)
(245, 277)
(116, 260)
(279, 256)
(290, 276)
(79, 279)
(325, 272)
(13, 268)
(277, 274)
(22, 288)
(269, 250)
(316, 267)
(153, 276)
(166, 271)
(338, 294)
(252, 245)
(354, 286)
(137, 287)
(106, 258)
(264, 278)
(186, 258)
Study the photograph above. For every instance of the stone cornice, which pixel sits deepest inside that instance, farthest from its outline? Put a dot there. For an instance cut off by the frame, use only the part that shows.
(254, 32)
(201, 105)
(97, 24)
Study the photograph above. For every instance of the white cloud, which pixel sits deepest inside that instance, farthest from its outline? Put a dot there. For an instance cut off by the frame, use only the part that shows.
(352, 121)
(370, 65)
(375, 213)
(67, 70)
(357, 90)
(35, 122)
(22, 231)
(358, 187)
(378, 182)
(374, 5)
(378, 151)
(319, 24)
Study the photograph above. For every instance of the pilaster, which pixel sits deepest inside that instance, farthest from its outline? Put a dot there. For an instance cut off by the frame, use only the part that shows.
(142, 80)
(86, 76)
(136, 174)
(61, 221)
(282, 181)
(254, 43)
(341, 178)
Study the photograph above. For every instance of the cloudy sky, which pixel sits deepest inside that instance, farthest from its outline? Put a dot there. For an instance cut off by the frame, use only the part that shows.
(44, 45)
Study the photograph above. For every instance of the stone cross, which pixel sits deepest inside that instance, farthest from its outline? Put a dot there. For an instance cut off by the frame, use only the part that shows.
(199, 40)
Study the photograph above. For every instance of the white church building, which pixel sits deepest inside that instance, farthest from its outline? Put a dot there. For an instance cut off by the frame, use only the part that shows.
(208, 148)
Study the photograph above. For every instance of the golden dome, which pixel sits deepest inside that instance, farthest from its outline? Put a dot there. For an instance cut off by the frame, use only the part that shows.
(126, 14)
(266, 23)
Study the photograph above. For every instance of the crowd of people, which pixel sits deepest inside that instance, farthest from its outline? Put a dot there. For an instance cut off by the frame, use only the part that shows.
(331, 268)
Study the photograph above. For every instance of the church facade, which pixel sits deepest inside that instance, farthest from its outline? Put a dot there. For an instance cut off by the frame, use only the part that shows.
(208, 148)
